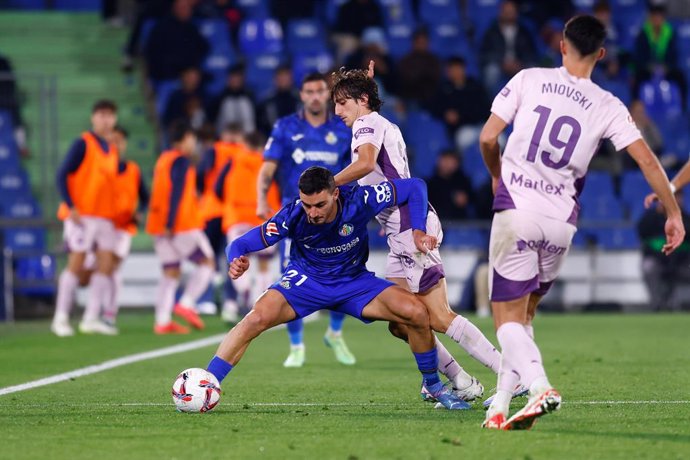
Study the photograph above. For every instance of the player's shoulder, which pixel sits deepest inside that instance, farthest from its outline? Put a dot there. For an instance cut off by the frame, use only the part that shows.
(368, 124)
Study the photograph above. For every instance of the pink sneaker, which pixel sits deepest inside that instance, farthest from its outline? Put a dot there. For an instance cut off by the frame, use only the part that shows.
(189, 315)
(538, 405)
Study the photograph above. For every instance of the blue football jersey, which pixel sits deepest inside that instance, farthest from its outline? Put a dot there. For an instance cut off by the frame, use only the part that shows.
(339, 248)
(296, 145)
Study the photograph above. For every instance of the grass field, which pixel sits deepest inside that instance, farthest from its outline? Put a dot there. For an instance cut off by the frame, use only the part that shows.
(624, 380)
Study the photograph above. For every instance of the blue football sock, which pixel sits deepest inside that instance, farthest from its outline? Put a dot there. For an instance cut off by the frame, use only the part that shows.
(219, 368)
(427, 363)
(296, 331)
(337, 319)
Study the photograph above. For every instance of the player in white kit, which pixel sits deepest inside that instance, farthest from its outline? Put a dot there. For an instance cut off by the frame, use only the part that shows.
(559, 118)
(378, 155)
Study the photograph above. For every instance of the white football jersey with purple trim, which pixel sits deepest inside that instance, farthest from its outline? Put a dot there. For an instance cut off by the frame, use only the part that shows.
(558, 122)
(391, 163)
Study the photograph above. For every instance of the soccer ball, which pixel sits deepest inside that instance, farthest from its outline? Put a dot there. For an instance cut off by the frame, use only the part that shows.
(195, 390)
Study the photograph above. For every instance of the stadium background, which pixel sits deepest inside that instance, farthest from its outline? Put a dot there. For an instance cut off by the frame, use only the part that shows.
(66, 54)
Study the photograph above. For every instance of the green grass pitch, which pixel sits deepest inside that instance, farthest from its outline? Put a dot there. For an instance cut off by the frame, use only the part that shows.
(624, 380)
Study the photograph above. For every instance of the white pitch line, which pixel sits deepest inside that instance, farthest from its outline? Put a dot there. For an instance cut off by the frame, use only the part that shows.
(106, 365)
(318, 404)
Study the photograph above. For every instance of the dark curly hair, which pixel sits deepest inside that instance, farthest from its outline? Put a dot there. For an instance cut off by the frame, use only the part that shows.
(353, 84)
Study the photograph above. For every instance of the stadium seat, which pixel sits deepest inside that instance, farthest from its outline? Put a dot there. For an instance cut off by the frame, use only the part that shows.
(619, 89)
(473, 166)
(20, 208)
(35, 269)
(305, 36)
(255, 9)
(260, 70)
(24, 4)
(601, 208)
(584, 6)
(634, 188)
(215, 69)
(77, 5)
(432, 12)
(582, 238)
(6, 123)
(14, 183)
(260, 36)
(303, 64)
(24, 239)
(661, 98)
(216, 33)
(426, 137)
(397, 12)
(163, 90)
(9, 153)
(465, 238)
(617, 238)
(399, 38)
(330, 10)
(448, 39)
(146, 29)
(597, 183)
(628, 15)
(376, 240)
(482, 14)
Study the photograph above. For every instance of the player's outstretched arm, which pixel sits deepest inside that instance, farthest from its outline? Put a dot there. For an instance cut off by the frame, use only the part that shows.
(414, 192)
(365, 163)
(252, 241)
(656, 177)
(488, 144)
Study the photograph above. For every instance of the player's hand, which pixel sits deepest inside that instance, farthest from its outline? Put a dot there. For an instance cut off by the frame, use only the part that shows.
(74, 216)
(263, 210)
(238, 266)
(650, 199)
(424, 242)
(675, 234)
(370, 70)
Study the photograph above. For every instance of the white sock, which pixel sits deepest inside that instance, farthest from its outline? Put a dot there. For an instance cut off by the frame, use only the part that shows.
(67, 286)
(100, 290)
(448, 366)
(521, 353)
(500, 403)
(196, 285)
(112, 306)
(165, 298)
(469, 337)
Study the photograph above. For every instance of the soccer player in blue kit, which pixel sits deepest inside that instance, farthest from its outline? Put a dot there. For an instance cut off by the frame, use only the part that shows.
(310, 137)
(327, 269)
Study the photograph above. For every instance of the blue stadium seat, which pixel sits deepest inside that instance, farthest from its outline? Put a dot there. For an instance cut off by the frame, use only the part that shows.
(305, 63)
(482, 14)
(376, 241)
(14, 183)
(397, 12)
(24, 239)
(581, 239)
(35, 269)
(602, 207)
(473, 166)
(399, 38)
(255, 9)
(216, 33)
(634, 188)
(20, 208)
(305, 36)
(9, 153)
(598, 183)
(163, 90)
(425, 137)
(24, 4)
(584, 6)
(146, 29)
(661, 98)
(448, 39)
(629, 15)
(465, 238)
(260, 36)
(330, 10)
(215, 69)
(619, 89)
(616, 238)
(432, 12)
(260, 70)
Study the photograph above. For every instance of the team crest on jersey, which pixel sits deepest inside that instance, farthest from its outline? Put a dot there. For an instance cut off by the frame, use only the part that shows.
(331, 138)
(364, 131)
(285, 284)
(271, 229)
(505, 91)
(346, 230)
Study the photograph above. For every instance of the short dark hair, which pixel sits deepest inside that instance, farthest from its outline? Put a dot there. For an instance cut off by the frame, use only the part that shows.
(104, 104)
(586, 33)
(234, 127)
(354, 84)
(207, 133)
(313, 76)
(456, 60)
(122, 130)
(316, 179)
(178, 130)
(255, 140)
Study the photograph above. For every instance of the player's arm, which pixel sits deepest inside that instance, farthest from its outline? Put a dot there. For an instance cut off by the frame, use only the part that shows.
(72, 161)
(656, 177)
(203, 168)
(488, 144)
(219, 186)
(256, 239)
(365, 163)
(263, 184)
(178, 176)
(679, 181)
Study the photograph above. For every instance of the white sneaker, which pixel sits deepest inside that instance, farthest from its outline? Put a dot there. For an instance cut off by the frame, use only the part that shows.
(230, 312)
(471, 392)
(537, 406)
(97, 327)
(207, 308)
(61, 328)
(295, 358)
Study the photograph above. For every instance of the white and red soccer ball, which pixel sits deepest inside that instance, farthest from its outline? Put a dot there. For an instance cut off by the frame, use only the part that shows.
(195, 390)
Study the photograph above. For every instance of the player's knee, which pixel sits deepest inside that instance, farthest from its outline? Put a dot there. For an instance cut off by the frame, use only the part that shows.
(397, 330)
(256, 322)
(417, 314)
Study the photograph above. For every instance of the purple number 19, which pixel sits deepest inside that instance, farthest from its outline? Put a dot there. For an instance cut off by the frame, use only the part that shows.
(568, 146)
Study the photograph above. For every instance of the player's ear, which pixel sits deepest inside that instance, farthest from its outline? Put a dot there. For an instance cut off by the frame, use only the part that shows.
(365, 100)
(336, 193)
(601, 54)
